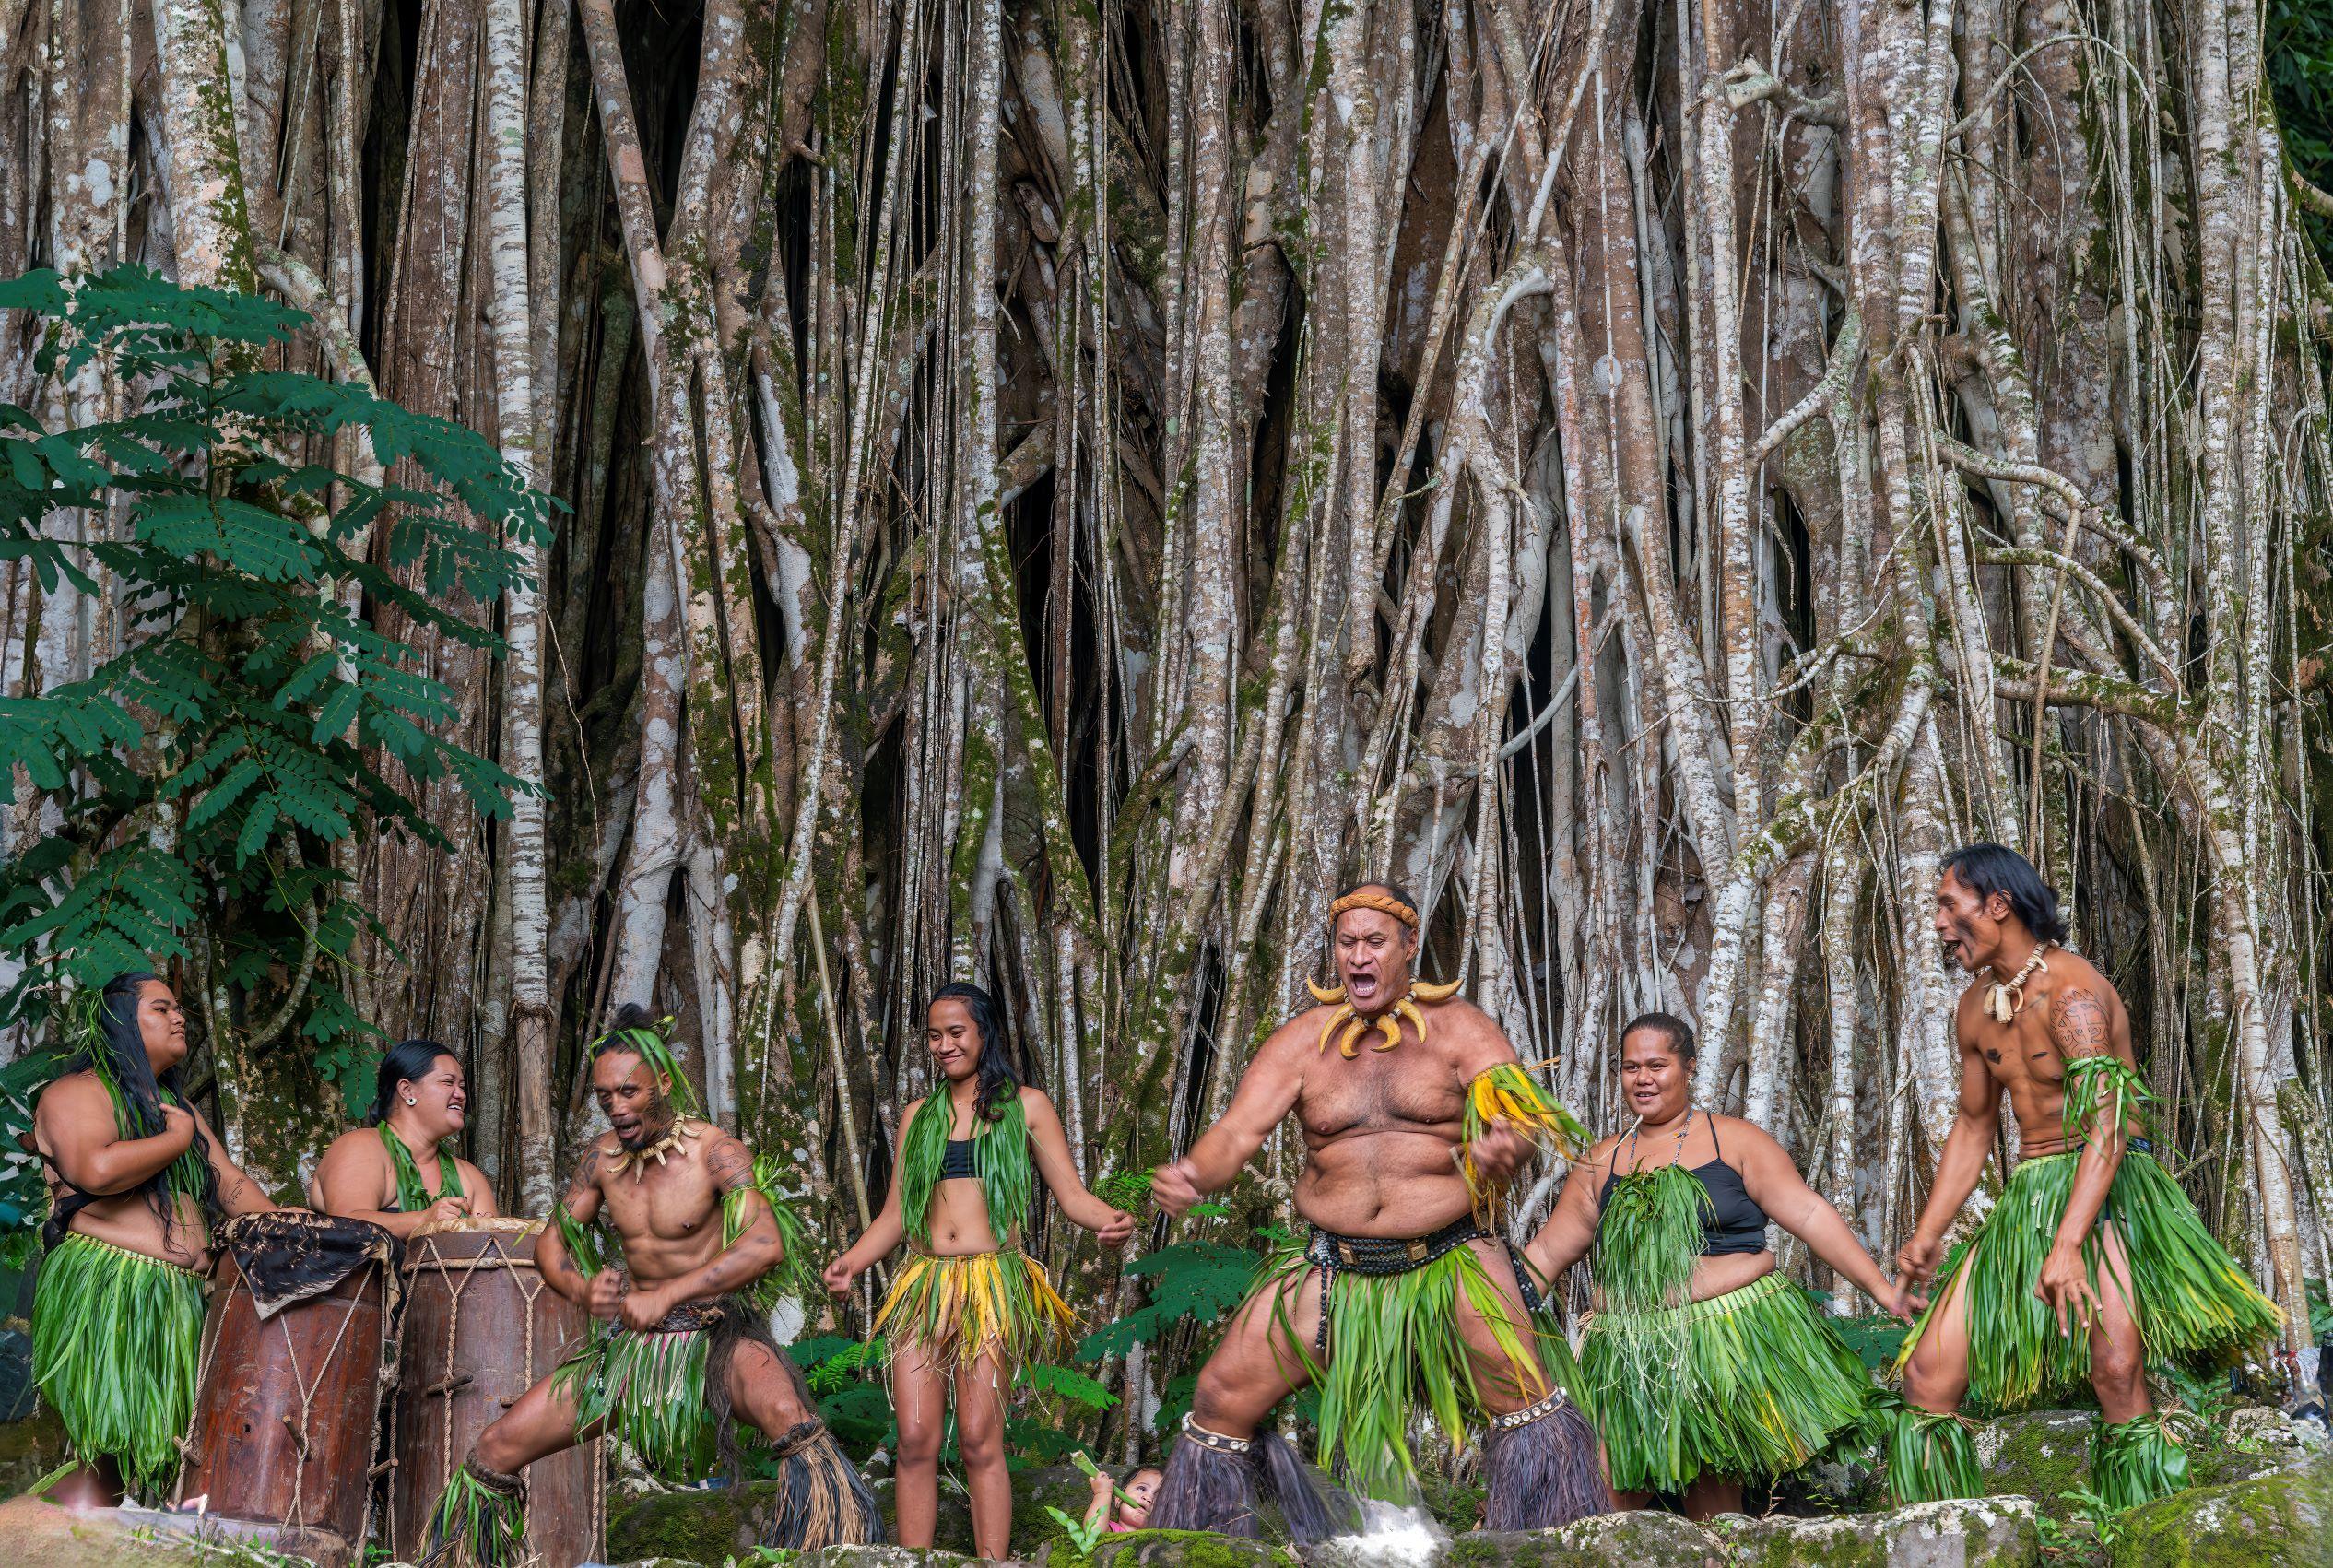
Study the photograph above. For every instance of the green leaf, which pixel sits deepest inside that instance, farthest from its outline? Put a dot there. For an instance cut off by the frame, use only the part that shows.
(1074, 1386)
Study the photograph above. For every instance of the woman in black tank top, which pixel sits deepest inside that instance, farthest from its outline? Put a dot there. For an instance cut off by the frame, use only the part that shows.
(1704, 1369)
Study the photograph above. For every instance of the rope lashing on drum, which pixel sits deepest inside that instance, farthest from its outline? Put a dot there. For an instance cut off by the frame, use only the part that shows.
(528, 1280)
(455, 1275)
(306, 1388)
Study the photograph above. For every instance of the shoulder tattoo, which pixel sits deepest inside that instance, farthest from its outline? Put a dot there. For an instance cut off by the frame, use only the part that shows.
(587, 1177)
(730, 1163)
(2077, 1023)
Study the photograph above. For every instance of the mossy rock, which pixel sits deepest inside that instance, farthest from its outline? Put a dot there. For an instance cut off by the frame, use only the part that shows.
(702, 1525)
(879, 1557)
(706, 1524)
(1034, 1490)
(1172, 1549)
(1640, 1540)
(2283, 1519)
(1998, 1532)
(2042, 1454)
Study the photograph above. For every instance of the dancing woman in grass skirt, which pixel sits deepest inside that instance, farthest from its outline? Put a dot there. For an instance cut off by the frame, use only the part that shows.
(2092, 1264)
(968, 1307)
(1701, 1367)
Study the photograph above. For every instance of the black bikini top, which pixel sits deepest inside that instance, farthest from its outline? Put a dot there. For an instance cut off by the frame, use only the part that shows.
(958, 1159)
(1735, 1224)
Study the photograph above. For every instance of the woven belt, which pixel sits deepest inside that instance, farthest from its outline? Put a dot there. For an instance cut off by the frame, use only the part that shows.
(1388, 1255)
(690, 1317)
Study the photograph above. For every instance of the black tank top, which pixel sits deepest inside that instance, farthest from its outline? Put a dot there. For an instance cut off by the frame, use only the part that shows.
(1735, 1223)
(958, 1159)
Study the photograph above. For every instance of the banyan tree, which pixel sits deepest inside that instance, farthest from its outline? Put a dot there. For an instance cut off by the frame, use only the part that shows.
(1052, 491)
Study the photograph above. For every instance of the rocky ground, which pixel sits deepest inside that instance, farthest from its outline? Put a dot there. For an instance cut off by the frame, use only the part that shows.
(2263, 1498)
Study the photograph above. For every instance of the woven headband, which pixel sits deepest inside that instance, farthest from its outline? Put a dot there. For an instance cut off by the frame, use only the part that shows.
(1382, 902)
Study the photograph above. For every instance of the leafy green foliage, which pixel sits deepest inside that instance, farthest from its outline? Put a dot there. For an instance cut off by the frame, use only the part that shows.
(1080, 1534)
(1875, 1340)
(2300, 69)
(1125, 1189)
(838, 1369)
(1191, 1281)
(256, 713)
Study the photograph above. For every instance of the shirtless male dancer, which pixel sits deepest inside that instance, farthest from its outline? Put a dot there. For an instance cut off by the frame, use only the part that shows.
(136, 1178)
(674, 1351)
(1416, 1114)
(2092, 1261)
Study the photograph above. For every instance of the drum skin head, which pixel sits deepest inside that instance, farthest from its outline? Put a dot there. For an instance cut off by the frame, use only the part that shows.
(507, 1225)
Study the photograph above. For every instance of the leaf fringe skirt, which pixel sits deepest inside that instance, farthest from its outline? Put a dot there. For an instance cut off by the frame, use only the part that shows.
(2192, 1303)
(1395, 1345)
(116, 1339)
(1750, 1385)
(650, 1390)
(959, 1309)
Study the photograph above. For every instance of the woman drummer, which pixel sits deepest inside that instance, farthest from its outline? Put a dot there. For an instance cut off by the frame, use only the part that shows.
(1702, 1367)
(969, 1307)
(398, 1171)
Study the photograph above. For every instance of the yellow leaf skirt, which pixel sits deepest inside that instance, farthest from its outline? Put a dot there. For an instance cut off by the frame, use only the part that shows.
(957, 1310)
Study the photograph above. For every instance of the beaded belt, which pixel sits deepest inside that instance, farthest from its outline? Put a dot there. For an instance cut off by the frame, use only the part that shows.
(1388, 1255)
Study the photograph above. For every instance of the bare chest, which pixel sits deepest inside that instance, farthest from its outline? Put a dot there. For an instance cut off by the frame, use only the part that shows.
(1405, 1090)
(672, 1202)
(2020, 1054)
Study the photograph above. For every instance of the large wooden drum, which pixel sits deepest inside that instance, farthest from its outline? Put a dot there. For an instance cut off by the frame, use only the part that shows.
(285, 1414)
(481, 1329)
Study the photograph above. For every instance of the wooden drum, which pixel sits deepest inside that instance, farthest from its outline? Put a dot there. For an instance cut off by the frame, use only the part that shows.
(481, 1329)
(285, 1414)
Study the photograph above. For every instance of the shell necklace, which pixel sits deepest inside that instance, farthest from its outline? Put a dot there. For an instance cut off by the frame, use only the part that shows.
(2004, 1002)
(674, 1141)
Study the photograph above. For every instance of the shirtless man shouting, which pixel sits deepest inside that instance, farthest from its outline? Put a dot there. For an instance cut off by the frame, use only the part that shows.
(2092, 1261)
(136, 1179)
(1416, 1114)
(676, 1352)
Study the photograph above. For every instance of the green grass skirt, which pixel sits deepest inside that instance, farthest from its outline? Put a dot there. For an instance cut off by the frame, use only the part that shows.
(650, 1390)
(1395, 1347)
(1749, 1385)
(116, 1339)
(2193, 1304)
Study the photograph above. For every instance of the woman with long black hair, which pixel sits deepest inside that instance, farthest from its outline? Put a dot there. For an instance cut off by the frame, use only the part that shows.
(398, 1171)
(136, 1181)
(968, 1306)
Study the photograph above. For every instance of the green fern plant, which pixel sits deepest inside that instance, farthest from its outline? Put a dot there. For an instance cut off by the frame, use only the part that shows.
(259, 710)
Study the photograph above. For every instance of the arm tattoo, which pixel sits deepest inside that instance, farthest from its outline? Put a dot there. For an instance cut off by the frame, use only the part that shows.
(587, 1177)
(730, 1165)
(2077, 1023)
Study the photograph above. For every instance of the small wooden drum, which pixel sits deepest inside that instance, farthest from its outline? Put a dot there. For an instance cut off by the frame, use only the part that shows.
(481, 1329)
(284, 1415)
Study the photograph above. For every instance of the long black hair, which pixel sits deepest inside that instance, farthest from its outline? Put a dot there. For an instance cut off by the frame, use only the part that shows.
(996, 1065)
(1989, 868)
(114, 1048)
(409, 1061)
